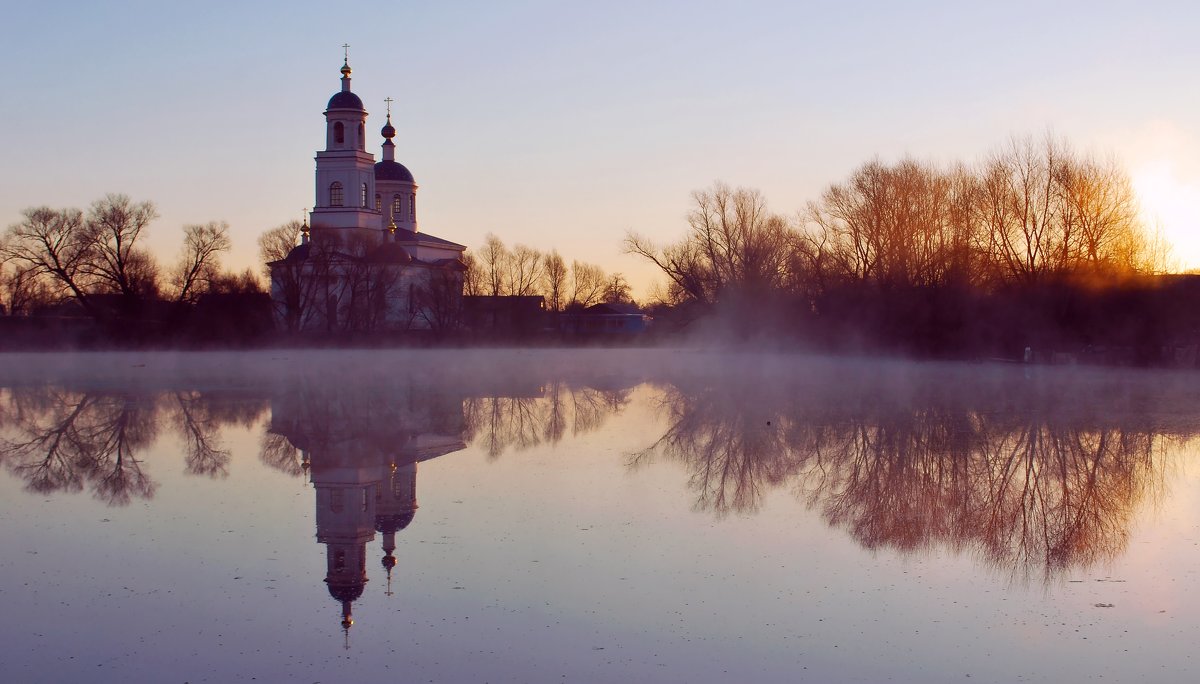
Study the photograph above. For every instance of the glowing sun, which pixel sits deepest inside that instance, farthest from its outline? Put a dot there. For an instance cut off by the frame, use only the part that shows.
(1172, 203)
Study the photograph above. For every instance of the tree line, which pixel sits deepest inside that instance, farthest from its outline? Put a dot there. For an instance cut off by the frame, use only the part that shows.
(1031, 211)
(917, 255)
(75, 276)
(497, 271)
(93, 263)
(1036, 246)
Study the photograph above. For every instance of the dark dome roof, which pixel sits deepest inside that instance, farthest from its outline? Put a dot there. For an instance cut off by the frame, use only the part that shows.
(346, 592)
(390, 253)
(345, 100)
(298, 253)
(394, 523)
(392, 171)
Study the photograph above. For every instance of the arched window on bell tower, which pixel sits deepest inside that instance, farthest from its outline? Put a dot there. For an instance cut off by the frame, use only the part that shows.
(396, 205)
(339, 133)
(335, 194)
(364, 204)
(362, 137)
(378, 202)
(412, 206)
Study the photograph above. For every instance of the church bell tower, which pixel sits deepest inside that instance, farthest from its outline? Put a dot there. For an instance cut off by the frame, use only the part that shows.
(345, 197)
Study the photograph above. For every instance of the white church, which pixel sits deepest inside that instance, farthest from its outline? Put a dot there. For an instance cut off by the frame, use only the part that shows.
(363, 264)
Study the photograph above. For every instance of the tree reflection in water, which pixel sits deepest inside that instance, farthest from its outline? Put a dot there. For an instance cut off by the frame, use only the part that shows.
(1036, 476)
(277, 452)
(543, 414)
(65, 440)
(198, 426)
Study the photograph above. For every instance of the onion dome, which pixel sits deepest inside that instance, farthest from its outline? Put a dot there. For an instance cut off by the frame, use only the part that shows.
(298, 253)
(345, 100)
(392, 171)
(345, 591)
(389, 562)
(394, 523)
(388, 131)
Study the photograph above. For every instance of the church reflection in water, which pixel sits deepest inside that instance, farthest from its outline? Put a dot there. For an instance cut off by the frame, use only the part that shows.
(361, 453)
(1034, 476)
(361, 450)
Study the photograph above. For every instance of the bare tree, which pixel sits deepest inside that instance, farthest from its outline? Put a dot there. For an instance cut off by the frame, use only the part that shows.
(439, 300)
(55, 244)
(203, 245)
(296, 285)
(228, 282)
(617, 290)
(492, 260)
(1047, 210)
(555, 277)
(1100, 196)
(277, 243)
(78, 256)
(523, 272)
(1018, 207)
(744, 243)
(734, 241)
(369, 287)
(1156, 256)
(114, 224)
(143, 275)
(684, 265)
(472, 276)
(22, 290)
(587, 284)
(907, 224)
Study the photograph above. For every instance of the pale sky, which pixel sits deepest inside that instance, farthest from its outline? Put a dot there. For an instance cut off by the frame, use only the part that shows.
(564, 125)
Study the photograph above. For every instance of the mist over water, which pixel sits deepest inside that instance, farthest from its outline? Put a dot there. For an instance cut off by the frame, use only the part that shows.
(607, 515)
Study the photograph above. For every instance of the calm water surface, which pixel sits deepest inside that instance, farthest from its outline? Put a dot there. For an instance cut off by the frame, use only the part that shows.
(593, 516)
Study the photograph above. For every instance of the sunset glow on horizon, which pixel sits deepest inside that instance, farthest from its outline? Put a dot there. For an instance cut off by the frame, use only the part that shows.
(1171, 201)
